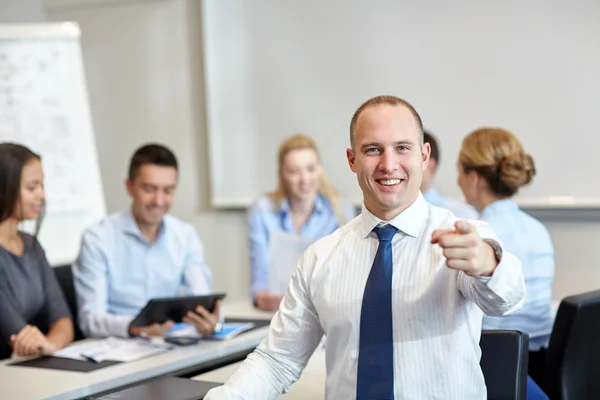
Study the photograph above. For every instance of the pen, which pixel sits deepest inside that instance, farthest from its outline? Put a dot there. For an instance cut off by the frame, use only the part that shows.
(89, 358)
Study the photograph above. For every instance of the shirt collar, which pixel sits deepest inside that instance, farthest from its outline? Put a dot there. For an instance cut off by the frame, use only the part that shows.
(131, 227)
(499, 207)
(319, 205)
(409, 221)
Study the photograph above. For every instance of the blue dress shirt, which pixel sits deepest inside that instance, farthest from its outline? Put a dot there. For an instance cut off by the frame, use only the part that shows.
(461, 210)
(267, 216)
(525, 237)
(118, 271)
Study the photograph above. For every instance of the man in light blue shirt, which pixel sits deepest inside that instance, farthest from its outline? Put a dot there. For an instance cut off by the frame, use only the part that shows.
(140, 253)
(432, 196)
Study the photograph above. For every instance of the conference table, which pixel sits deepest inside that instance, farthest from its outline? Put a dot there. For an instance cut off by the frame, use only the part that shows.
(209, 361)
(29, 383)
(310, 386)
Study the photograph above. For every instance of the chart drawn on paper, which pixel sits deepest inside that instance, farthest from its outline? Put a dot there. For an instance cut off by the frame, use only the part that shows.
(35, 100)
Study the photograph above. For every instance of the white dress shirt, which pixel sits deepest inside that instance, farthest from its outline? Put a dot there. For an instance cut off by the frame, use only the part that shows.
(437, 313)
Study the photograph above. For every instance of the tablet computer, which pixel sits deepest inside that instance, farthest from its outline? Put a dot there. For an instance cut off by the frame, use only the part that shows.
(173, 308)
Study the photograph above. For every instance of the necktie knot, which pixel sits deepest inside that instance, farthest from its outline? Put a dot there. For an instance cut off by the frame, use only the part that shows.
(385, 233)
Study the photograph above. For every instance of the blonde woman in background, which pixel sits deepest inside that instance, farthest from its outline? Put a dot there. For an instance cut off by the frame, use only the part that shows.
(492, 166)
(304, 203)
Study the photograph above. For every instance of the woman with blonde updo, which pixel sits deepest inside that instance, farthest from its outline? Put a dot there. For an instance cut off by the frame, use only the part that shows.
(492, 167)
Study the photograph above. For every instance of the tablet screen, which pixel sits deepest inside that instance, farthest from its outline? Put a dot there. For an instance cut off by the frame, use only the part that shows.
(159, 310)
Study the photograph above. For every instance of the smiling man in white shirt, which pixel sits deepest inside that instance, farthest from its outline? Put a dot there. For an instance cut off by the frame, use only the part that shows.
(400, 291)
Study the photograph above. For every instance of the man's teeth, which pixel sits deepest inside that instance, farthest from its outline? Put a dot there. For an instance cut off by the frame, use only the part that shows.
(389, 182)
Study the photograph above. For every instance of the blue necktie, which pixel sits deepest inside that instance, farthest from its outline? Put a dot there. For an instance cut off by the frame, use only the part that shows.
(375, 379)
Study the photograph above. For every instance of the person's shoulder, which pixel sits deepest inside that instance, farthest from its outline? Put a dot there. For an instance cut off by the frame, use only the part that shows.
(33, 248)
(535, 225)
(28, 238)
(344, 206)
(172, 221)
(109, 222)
(31, 242)
(460, 209)
(264, 204)
(177, 227)
(108, 227)
(445, 218)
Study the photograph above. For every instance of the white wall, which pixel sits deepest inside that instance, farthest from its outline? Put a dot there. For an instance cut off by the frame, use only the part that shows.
(288, 78)
(144, 70)
(21, 11)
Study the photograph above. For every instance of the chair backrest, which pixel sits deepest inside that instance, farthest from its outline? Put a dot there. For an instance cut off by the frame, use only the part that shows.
(504, 359)
(64, 276)
(572, 368)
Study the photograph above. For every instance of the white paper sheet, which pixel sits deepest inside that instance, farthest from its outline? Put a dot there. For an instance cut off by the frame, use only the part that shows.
(286, 249)
(113, 349)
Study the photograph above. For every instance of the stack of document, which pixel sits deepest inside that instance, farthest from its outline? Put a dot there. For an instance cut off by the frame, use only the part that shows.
(113, 349)
(228, 330)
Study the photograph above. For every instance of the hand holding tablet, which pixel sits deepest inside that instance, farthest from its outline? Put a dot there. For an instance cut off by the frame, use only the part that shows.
(158, 316)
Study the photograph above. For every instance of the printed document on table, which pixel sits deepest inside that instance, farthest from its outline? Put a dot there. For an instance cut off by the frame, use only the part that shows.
(114, 349)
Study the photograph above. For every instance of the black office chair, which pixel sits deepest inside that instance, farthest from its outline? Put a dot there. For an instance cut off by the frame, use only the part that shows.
(64, 276)
(572, 370)
(504, 358)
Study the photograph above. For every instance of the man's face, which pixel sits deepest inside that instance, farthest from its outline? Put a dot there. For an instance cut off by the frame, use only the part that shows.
(152, 191)
(388, 159)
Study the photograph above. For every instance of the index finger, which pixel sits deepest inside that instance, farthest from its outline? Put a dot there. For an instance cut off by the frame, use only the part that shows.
(457, 239)
(438, 233)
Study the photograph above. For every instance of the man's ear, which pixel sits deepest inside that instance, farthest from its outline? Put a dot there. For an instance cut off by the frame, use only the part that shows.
(351, 158)
(426, 153)
(432, 165)
(129, 186)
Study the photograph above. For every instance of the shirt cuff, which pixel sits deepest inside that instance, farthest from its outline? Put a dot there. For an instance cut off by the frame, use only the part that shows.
(121, 325)
(501, 280)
